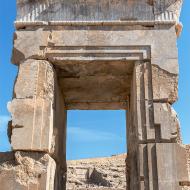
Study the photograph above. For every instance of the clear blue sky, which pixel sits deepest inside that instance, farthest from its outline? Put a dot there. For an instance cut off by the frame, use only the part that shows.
(93, 133)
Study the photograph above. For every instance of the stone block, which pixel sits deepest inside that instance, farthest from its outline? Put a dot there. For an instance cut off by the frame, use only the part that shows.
(24, 171)
(142, 101)
(32, 124)
(147, 166)
(27, 44)
(167, 123)
(52, 43)
(32, 107)
(143, 166)
(35, 79)
(165, 85)
(171, 165)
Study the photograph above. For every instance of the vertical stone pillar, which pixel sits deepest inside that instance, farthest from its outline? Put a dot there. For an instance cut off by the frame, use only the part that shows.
(32, 107)
(153, 131)
(37, 131)
(60, 138)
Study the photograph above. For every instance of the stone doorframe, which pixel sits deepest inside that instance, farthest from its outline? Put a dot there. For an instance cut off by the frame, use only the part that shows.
(38, 127)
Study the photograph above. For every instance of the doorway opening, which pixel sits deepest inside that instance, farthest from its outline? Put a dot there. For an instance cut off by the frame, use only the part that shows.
(96, 149)
(93, 133)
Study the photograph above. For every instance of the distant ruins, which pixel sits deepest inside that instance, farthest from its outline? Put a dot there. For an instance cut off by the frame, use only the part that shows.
(94, 55)
(97, 174)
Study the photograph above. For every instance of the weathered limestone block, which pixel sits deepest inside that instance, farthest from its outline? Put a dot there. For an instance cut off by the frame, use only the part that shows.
(171, 165)
(27, 44)
(165, 85)
(24, 170)
(162, 165)
(153, 84)
(147, 167)
(32, 124)
(32, 107)
(163, 51)
(55, 44)
(167, 123)
(141, 104)
(35, 79)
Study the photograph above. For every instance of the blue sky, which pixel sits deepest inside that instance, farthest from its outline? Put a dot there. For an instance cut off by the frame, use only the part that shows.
(92, 133)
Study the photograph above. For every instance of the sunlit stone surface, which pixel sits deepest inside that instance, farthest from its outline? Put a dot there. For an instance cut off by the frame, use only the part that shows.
(94, 55)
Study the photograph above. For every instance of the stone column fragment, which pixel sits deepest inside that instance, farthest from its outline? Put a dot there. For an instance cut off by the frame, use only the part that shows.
(32, 107)
(60, 138)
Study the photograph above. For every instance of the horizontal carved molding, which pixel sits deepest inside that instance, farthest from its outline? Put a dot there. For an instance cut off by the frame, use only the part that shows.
(89, 53)
(158, 21)
(166, 16)
(93, 10)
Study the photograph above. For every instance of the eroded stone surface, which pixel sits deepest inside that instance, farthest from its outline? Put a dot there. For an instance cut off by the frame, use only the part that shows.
(32, 124)
(31, 109)
(167, 123)
(35, 80)
(101, 173)
(165, 85)
(120, 10)
(23, 171)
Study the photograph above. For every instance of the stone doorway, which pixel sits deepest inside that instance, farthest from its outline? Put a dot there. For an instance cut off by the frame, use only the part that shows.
(89, 88)
(91, 56)
(46, 90)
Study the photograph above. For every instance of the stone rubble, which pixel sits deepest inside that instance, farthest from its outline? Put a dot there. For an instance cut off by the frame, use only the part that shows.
(100, 173)
(23, 171)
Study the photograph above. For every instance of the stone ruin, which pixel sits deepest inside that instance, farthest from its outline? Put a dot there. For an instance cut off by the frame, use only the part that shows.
(107, 173)
(94, 55)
